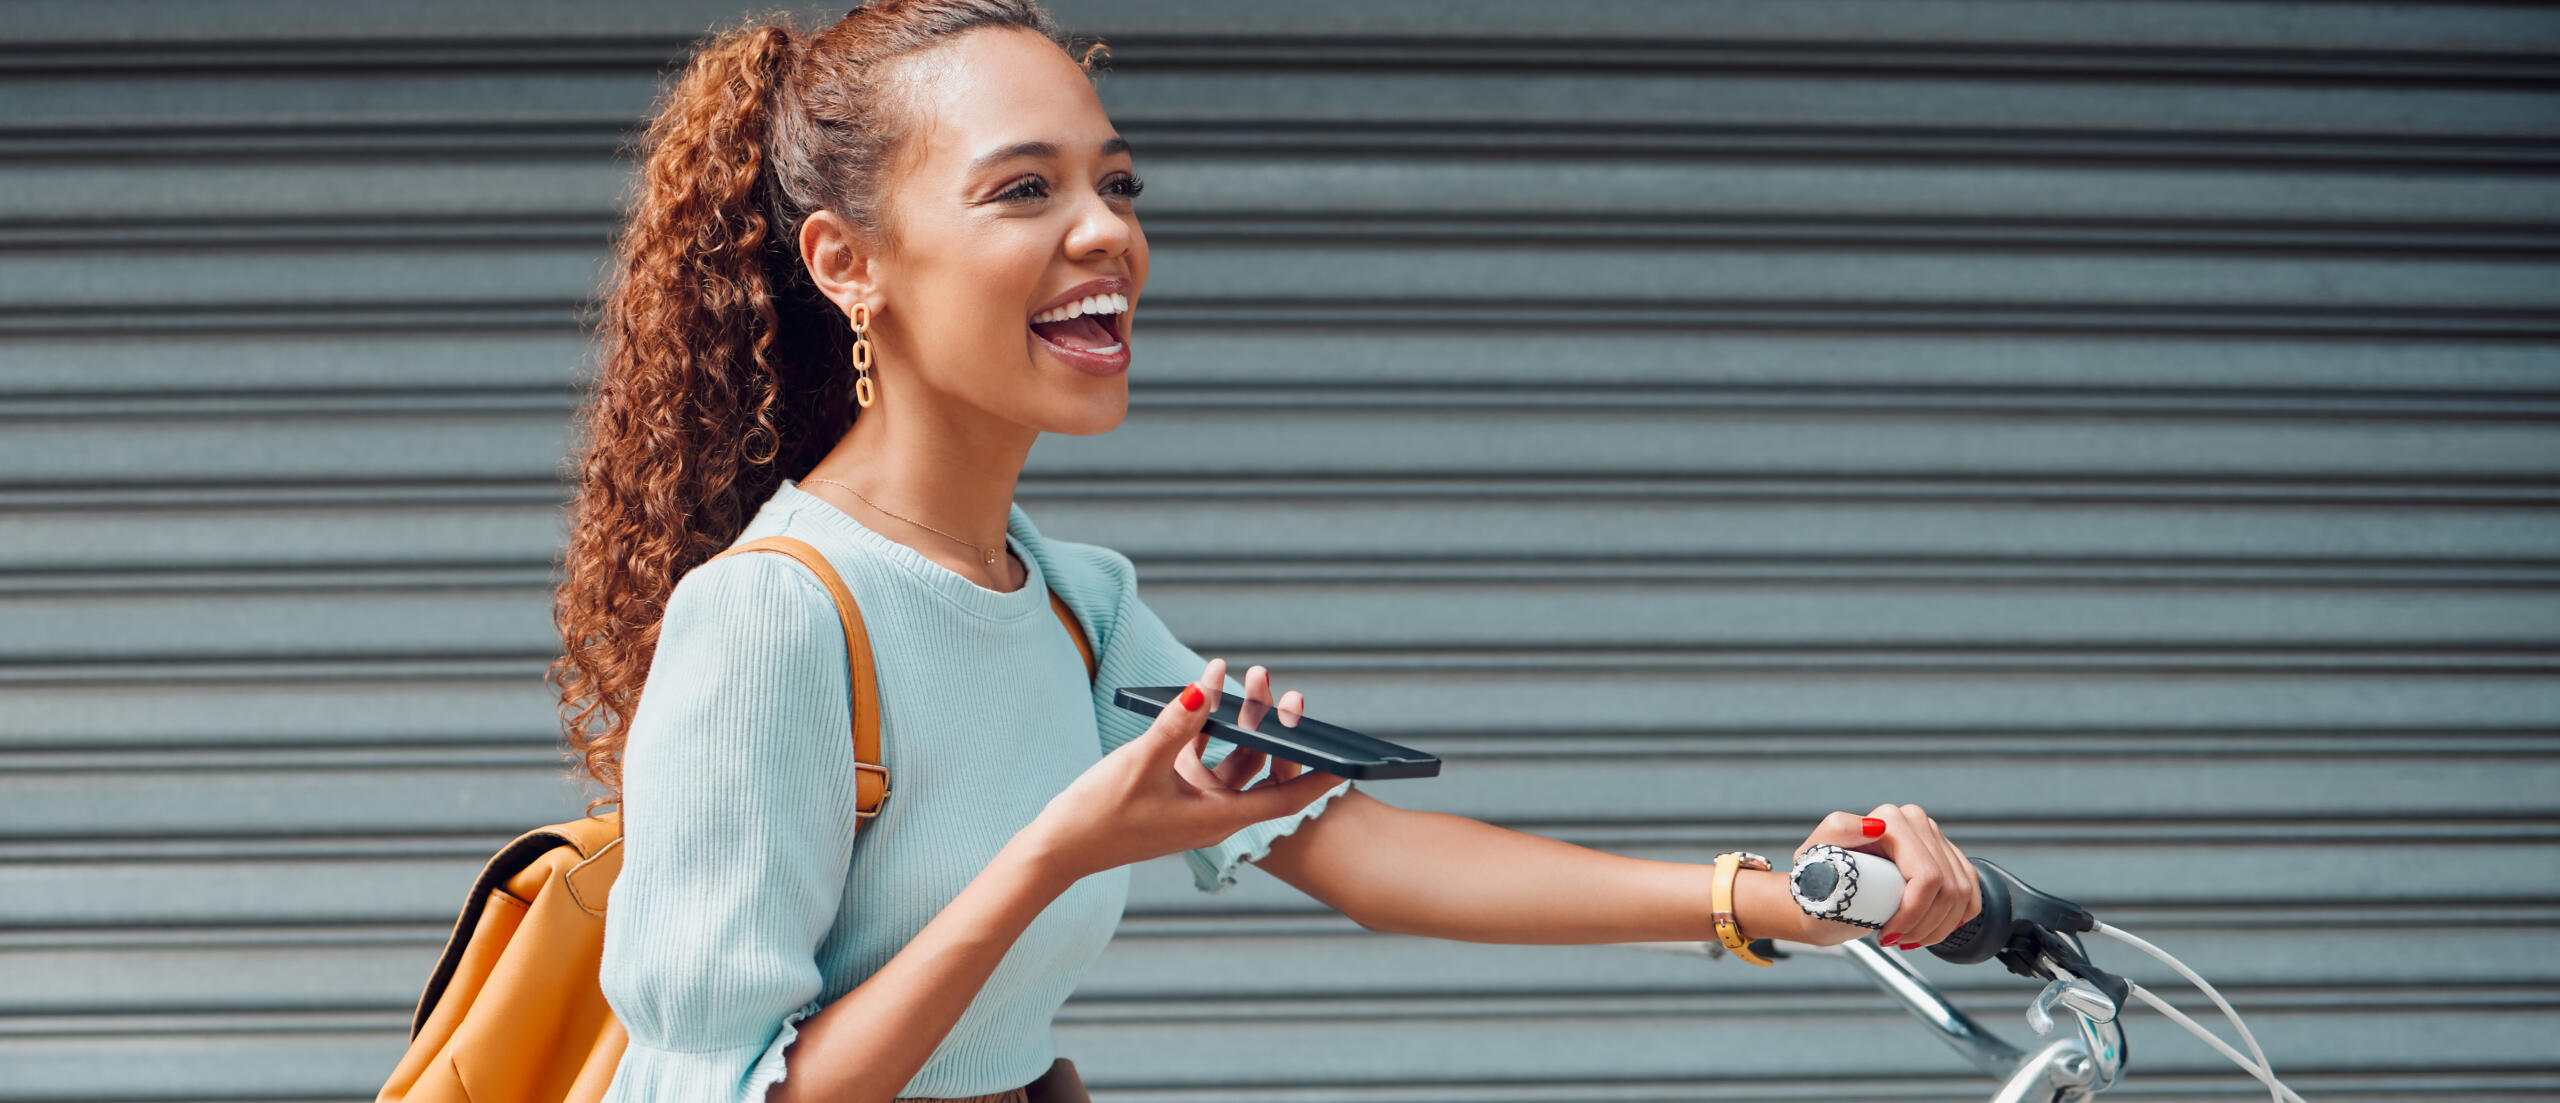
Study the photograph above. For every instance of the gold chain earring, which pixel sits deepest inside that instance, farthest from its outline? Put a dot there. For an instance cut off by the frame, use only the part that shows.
(862, 392)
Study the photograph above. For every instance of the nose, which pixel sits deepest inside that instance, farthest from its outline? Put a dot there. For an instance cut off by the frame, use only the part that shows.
(1099, 230)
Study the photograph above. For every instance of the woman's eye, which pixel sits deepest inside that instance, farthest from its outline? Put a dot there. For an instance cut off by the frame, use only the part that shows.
(1033, 187)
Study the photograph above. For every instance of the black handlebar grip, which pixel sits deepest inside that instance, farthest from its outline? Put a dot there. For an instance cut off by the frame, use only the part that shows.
(1987, 933)
(2009, 907)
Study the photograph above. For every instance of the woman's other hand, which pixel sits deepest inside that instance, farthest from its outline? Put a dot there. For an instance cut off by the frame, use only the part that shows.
(1153, 796)
(1940, 889)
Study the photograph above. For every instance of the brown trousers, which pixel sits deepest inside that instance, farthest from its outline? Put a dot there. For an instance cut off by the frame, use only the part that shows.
(1058, 1085)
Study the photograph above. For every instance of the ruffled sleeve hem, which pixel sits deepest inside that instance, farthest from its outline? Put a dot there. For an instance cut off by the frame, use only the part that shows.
(1213, 869)
(650, 1075)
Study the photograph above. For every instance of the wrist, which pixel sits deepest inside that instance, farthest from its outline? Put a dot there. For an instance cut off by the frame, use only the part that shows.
(1764, 908)
(1035, 856)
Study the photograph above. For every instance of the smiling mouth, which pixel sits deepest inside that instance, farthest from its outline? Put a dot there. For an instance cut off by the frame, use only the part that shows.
(1095, 333)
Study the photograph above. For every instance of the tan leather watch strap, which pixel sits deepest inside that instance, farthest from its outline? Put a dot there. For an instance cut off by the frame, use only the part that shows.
(1720, 898)
(871, 779)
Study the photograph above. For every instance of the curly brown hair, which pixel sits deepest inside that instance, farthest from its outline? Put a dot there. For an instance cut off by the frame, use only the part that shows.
(721, 369)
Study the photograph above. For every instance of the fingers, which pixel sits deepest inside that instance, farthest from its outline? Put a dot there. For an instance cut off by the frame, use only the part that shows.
(1920, 875)
(1179, 726)
(1293, 707)
(1954, 894)
(1240, 766)
(1964, 885)
(1257, 696)
(1182, 716)
(1287, 788)
(1213, 682)
(1935, 890)
(1845, 830)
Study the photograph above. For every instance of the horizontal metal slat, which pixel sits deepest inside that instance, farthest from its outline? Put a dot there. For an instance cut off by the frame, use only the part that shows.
(2452, 29)
(1790, 779)
(474, 613)
(1565, 1055)
(1195, 537)
(1823, 91)
(1337, 438)
(204, 971)
(1513, 705)
(1194, 193)
(423, 888)
(1353, 278)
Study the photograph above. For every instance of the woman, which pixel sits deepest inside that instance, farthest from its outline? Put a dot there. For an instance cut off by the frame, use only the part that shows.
(941, 174)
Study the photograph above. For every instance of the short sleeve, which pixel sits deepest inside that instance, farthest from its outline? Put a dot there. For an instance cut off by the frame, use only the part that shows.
(1141, 650)
(737, 833)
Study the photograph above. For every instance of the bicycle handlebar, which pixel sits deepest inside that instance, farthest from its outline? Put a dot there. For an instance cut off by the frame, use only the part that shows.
(2020, 925)
(2008, 904)
(2033, 934)
(2027, 930)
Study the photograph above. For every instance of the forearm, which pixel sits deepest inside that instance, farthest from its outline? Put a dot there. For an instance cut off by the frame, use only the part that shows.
(1444, 876)
(871, 1041)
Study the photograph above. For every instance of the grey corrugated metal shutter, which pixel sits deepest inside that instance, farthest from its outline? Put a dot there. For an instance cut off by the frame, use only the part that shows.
(2123, 428)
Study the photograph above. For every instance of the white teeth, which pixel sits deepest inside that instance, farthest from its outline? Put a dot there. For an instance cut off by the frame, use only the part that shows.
(1092, 304)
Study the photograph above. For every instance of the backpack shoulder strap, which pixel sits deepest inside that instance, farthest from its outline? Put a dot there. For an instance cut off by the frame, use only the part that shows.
(871, 779)
(1075, 632)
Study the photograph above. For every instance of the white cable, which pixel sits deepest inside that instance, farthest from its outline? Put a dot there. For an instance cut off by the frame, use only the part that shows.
(2263, 1069)
(2281, 1093)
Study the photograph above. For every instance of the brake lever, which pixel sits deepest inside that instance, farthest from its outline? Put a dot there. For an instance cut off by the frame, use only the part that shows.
(2076, 995)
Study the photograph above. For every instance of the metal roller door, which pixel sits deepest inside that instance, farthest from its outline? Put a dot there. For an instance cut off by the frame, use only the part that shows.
(2124, 428)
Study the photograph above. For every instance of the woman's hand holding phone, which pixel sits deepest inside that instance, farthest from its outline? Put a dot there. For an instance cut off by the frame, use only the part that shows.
(1154, 796)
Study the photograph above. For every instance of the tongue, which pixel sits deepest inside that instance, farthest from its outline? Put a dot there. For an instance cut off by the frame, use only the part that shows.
(1084, 331)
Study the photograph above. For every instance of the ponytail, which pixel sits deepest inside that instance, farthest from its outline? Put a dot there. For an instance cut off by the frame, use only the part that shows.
(720, 370)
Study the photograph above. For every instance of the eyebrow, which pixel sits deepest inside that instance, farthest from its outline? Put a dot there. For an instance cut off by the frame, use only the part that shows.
(1110, 146)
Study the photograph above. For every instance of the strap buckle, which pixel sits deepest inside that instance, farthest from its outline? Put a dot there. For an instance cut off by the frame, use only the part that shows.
(885, 791)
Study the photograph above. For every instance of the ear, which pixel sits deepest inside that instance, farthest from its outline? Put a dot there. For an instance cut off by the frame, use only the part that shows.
(838, 262)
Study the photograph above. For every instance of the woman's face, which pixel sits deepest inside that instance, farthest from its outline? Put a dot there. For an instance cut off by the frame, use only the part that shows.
(1012, 191)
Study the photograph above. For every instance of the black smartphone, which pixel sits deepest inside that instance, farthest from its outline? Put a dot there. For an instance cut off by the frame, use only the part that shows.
(1313, 743)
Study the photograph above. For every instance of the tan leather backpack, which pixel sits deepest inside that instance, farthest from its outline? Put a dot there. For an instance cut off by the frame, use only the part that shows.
(513, 1012)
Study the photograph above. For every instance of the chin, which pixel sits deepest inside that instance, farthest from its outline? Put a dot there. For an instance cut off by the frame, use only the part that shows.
(1089, 415)
(1094, 418)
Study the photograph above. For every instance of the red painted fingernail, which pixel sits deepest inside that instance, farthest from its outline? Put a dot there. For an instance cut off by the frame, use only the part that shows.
(1191, 697)
(1871, 825)
(1887, 937)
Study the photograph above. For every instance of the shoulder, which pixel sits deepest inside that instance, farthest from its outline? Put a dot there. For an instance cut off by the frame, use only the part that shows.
(758, 591)
(1097, 583)
(1077, 571)
(1093, 565)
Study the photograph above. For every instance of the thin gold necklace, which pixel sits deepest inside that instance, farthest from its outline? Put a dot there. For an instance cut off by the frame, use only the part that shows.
(991, 552)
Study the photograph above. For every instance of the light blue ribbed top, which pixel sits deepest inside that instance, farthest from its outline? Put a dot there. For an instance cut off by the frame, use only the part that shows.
(747, 901)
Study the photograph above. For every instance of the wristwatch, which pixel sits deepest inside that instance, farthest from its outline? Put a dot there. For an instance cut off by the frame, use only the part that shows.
(1721, 897)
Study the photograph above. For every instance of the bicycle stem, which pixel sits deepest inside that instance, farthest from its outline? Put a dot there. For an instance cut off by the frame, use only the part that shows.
(1988, 1051)
(2061, 1071)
